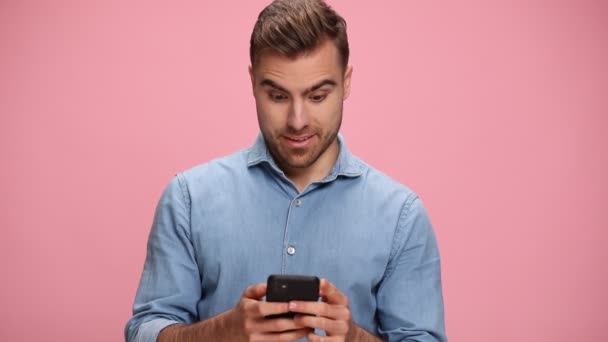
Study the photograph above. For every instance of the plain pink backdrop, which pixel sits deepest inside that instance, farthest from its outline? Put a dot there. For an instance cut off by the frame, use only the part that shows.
(495, 112)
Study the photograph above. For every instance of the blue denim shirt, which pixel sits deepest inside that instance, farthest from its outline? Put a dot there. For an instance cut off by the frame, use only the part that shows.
(228, 224)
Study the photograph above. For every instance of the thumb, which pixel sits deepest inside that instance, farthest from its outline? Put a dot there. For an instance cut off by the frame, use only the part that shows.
(256, 291)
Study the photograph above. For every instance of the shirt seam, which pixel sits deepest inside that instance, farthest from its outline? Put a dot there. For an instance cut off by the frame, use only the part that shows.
(400, 234)
(186, 201)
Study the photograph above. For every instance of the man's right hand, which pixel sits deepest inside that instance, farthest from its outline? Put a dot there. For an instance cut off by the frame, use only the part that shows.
(246, 322)
(250, 312)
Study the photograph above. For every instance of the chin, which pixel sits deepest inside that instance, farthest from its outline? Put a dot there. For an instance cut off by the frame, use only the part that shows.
(301, 162)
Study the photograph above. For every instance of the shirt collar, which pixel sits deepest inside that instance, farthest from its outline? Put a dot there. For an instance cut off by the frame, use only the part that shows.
(346, 165)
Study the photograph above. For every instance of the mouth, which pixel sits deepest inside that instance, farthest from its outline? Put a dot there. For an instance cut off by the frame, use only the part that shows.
(298, 141)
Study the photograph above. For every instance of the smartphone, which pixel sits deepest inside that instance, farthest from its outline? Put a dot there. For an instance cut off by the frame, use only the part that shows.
(288, 287)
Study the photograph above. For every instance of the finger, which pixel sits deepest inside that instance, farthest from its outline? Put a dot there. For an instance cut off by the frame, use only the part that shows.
(322, 309)
(331, 293)
(294, 334)
(280, 337)
(258, 309)
(256, 291)
(312, 337)
(277, 325)
(331, 327)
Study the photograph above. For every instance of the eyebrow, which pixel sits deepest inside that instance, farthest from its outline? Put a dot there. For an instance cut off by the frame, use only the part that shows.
(273, 84)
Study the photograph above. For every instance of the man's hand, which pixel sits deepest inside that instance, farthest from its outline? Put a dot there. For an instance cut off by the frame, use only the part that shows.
(245, 322)
(331, 315)
(249, 318)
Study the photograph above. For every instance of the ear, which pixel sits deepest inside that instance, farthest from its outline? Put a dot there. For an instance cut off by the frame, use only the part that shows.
(348, 73)
(252, 77)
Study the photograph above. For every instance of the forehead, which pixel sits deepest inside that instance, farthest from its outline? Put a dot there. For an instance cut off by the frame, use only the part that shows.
(301, 71)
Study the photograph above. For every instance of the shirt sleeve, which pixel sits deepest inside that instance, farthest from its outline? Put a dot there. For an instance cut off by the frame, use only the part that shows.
(169, 289)
(409, 298)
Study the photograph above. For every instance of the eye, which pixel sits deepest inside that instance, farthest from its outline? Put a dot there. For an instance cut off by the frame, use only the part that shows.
(277, 97)
(318, 97)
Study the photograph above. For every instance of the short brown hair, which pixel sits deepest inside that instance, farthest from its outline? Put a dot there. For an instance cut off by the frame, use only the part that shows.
(294, 27)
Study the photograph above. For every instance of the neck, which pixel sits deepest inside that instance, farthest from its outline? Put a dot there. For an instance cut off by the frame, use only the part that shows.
(302, 177)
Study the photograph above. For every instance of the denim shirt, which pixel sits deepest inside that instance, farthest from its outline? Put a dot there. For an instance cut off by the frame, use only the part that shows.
(229, 223)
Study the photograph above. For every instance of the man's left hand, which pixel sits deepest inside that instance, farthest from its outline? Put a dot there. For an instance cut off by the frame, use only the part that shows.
(331, 315)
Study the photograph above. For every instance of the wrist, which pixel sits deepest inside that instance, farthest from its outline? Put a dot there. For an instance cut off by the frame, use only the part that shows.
(351, 336)
(358, 334)
(171, 333)
(217, 328)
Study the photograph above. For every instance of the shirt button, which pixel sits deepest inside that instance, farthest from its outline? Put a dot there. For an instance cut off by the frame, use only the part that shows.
(298, 202)
(291, 250)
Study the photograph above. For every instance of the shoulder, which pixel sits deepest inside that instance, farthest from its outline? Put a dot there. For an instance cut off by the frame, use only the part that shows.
(215, 170)
(412, 220)
(380, 184)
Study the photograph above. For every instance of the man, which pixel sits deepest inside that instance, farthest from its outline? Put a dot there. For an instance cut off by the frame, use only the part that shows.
(296, 202)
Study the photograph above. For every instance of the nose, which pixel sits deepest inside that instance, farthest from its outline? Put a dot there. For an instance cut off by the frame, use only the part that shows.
(297, 118)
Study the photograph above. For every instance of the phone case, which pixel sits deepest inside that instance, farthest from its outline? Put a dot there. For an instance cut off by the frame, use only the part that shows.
(288, 287)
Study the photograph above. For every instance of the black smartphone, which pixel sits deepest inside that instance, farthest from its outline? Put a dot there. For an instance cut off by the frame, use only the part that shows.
(288, 287)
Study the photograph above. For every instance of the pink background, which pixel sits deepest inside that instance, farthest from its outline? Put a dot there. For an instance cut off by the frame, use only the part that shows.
(495, 112)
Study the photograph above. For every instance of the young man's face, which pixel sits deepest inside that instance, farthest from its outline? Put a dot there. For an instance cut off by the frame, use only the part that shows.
(299, 105)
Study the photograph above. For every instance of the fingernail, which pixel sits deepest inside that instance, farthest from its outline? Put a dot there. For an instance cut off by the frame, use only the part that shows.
(292, 305)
